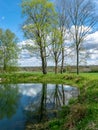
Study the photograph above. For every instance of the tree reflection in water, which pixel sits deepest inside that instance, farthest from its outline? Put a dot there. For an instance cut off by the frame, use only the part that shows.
(58, 97)
(43, 108)
(48, 101)
(37, 109)
(8, 100)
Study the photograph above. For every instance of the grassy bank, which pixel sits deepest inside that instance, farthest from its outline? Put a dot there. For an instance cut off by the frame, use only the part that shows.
(80, 114)
(30, 77)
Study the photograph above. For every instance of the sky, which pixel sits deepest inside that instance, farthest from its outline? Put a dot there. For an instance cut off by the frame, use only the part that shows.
(11, 18)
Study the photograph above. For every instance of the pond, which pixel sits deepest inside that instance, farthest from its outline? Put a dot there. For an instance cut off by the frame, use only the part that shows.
(23, 103)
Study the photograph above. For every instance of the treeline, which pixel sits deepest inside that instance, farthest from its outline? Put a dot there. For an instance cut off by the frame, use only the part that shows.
(56, 27)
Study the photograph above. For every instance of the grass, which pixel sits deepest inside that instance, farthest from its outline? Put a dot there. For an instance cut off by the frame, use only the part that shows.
(80, 114)
(28, 77)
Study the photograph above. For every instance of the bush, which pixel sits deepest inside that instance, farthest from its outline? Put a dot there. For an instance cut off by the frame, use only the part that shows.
(77, 113)
(65, 110)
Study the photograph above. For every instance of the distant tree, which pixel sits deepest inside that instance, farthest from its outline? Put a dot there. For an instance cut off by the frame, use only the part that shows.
(39, 15)
(82, 18)
(8, 49)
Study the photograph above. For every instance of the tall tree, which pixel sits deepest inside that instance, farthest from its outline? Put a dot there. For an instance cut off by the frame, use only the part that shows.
(8, 49)
(56, 47)
(62, 22)
(39, 18)
(82, 19)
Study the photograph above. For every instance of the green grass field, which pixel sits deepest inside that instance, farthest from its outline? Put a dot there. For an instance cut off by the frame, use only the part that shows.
(80, 114)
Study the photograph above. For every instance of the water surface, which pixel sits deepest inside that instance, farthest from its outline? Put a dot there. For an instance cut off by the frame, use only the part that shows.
(23, 103)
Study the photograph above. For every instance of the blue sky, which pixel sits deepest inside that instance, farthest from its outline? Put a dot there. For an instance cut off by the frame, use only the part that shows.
(11, 16)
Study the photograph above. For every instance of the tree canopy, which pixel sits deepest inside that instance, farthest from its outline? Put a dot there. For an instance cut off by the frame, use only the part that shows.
(8, 49)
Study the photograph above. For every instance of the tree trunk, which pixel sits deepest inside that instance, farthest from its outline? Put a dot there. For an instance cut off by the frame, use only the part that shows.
(56, 67)
(62, 62)
(42, 109)
(4, 65)
(43, 59)
(63, 95)
(77, 51)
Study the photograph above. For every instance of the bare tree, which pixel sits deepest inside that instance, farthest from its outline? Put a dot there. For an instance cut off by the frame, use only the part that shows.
(81, 22)
(55, 47)
(62, 22)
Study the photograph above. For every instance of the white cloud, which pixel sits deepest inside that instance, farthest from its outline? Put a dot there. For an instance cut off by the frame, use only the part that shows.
(25, 57)
(29, 89)
(26, 42)
(91, 45)
(33, 61)
(92, 40)
(93, 57)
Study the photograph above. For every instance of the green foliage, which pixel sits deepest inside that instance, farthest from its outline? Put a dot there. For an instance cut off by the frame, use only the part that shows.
(8, 49)
(39, 17)
(55, 46)
(55, 124)
(73, 101)
(8, 97)
(77, 113)
(65, 110)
